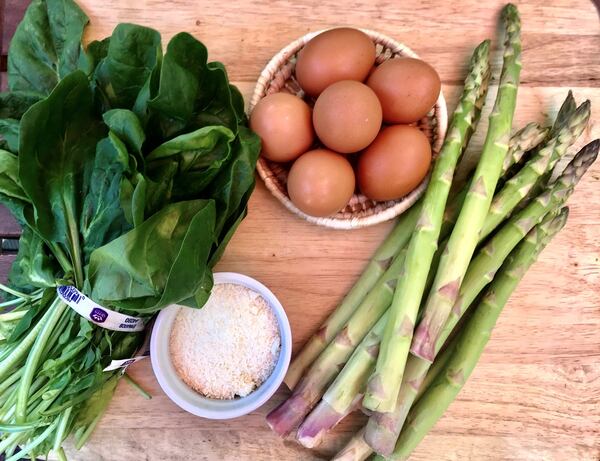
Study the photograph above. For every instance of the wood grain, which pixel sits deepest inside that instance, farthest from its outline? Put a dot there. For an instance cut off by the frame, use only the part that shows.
(13, 11)
(8, 226)
(536, 393)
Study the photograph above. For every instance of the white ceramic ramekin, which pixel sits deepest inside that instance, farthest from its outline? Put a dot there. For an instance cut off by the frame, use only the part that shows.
(190, 400)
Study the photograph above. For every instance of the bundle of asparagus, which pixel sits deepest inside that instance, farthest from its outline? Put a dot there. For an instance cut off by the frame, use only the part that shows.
(465, 246)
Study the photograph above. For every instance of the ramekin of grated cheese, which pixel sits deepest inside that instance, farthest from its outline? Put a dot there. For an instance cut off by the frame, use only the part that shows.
(228, 358)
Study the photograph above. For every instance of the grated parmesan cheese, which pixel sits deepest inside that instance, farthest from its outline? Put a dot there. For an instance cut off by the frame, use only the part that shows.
(230, 346)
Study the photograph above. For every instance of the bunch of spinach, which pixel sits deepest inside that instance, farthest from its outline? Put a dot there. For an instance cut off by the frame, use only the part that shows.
(129, 171)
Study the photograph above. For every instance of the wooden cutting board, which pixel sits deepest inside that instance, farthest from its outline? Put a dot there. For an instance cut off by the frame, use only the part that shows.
(536, 392)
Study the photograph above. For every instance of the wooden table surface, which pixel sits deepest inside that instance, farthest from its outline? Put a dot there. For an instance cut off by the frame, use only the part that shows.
(536, 392)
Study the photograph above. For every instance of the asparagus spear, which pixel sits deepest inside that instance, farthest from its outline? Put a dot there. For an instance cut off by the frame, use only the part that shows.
(345, 393)
(524, 140)
(382, 430)
(382, 390)
(375, 269)
(464, 237)
(324, 369)
(472, 341)
(519, 186)
(357, 449)
(340, 398)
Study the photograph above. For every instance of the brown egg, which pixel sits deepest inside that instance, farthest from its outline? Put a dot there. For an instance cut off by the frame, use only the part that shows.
(334, 55)
(407, 89)
(347, 116)
(284, 123)
(394, 164)
(321, 182)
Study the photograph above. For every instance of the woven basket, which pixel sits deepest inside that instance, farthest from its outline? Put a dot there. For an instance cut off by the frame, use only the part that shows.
(360, 211)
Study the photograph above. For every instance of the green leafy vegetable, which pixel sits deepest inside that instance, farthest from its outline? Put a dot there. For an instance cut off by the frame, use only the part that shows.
(129, 174)
(46, 45)
(133, 51)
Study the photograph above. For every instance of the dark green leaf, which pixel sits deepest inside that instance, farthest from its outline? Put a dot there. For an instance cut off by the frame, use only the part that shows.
(158, 263)
(9, 131)
(193, 94)
(233, 185)
(198, 155)
(46, 45)
(102, 218)
(180, 80)
(34, 266)
(126, 125)
(10, 184)
(93, 54)
(14, 104)
(57, 143)
(12, 194)
(133, 52)
(216, 105)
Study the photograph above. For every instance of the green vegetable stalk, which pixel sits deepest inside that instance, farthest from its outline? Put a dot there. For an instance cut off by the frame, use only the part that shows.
(462, 243)
(311, 387)
(473, 339)
(375, 269)
(382, 430)
(381, 391)
(519, 186)
(346, 392)
(129, 172)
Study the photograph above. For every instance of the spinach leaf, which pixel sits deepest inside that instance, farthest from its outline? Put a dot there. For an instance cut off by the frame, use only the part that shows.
(127, 126)
(12, 194)
(198, 157)
(15, 103)
(133, 52)
(102, 218)
(93, 54)
(34, 266)
(57, 143)
(234, 183)
(180, 80)
(160, 262)
(10, 185)
(216, 104)
(193, 94)
(9, 132)
(46, 45)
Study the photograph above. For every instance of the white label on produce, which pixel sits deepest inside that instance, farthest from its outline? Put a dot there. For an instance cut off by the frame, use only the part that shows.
(101, 316)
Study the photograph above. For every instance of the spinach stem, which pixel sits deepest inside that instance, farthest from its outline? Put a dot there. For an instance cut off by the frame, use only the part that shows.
(88, 431)
(62, 259)
(12, 302)
(56, 310)
(17, 354)
(129, 380)
(62, 429)
(8, 441)
(75, 249)
(60, 452)
(12, 315)
(34, 443)
(13, 292)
